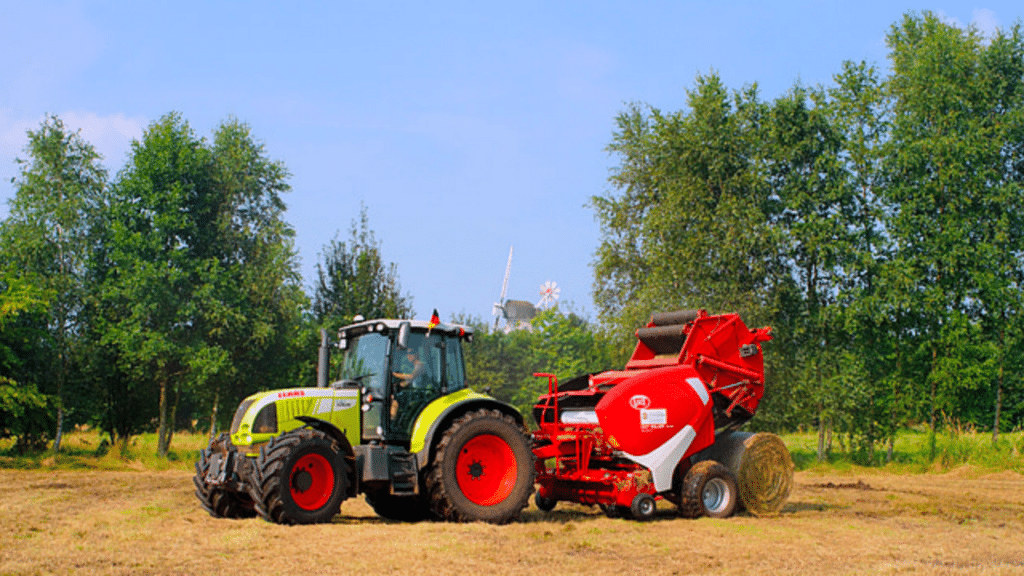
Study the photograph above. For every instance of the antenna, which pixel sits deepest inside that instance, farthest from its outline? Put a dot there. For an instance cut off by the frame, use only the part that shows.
(499, 306)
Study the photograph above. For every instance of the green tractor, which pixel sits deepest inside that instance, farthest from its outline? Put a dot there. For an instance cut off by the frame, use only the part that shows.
(398, 425)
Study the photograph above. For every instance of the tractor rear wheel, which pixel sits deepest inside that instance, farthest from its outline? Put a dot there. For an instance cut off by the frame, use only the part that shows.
(301, 477)
(218, 500)
(709, 489)
(483, 469)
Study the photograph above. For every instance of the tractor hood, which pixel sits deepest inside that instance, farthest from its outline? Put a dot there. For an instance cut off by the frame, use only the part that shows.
(267, 414)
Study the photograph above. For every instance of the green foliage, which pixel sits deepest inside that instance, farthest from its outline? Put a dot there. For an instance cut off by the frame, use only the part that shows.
(956, 185)
(877, 224)
(692, 226)
(262, 320)
(90, 449)
(25, 412)
(560, 343)
(46, 239)
(352, 279)
(912, 453)
(200, 289)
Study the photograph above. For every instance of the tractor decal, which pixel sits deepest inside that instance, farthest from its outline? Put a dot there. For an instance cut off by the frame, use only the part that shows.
(319, 402)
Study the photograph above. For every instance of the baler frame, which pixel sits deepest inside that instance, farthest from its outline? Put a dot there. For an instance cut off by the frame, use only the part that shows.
(579, 461)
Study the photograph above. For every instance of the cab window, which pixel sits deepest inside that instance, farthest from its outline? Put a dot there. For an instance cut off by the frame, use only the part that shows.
(453, 362)
(365, 361)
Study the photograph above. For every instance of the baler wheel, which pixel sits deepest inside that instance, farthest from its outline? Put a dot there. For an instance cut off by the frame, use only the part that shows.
(301, 477)
(483, 469)
(709, 489)
(544, 504)
(218, 501)
(643, 507)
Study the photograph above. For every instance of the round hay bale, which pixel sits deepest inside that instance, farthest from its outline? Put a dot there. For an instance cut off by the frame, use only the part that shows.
(762, 466)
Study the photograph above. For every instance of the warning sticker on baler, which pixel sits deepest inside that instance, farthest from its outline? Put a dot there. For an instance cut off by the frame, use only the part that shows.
(653, 417)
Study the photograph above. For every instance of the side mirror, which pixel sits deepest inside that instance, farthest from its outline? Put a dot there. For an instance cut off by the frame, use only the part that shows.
(403, 335)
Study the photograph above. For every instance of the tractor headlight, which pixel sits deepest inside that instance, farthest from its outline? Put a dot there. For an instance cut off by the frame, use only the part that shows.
(266, 421)
(236, 422)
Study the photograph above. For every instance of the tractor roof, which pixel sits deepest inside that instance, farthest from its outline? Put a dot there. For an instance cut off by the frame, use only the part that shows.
(416, 325)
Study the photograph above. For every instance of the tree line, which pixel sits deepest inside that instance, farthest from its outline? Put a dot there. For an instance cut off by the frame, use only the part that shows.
(877, 223)
(159, 298)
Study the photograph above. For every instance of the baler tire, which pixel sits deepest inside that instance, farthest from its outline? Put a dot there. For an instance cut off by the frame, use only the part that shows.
(400, 508)
(643, 507)
(486, 446)
(709, 489)
(300, 477)
(216, 500)
(544, 504)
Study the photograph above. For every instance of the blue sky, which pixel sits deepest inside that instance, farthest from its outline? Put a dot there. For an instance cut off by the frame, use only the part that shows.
(464, 127)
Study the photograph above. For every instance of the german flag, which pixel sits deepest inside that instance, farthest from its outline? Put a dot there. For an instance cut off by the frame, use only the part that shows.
(434, 320)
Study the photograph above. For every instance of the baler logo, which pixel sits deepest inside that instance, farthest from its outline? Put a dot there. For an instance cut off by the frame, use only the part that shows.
(639, 402)
(291, 394)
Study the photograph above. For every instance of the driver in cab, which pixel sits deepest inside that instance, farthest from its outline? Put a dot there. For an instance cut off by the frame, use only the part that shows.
(415, 368)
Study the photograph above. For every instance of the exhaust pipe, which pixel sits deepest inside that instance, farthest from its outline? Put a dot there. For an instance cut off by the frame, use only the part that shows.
(324, 360)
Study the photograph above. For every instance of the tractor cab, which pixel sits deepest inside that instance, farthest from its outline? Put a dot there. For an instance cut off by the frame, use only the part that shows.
(399, 368)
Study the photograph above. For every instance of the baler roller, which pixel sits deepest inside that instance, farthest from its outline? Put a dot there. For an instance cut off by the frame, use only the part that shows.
(674, 317)
(663, 339)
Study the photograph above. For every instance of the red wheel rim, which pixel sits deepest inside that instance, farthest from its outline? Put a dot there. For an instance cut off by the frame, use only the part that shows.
(312, 481)
(486, 470)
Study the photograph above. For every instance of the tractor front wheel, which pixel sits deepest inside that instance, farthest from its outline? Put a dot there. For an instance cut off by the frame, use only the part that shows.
(709, 489)
(483, 469)
(301, 477)
(219, 500)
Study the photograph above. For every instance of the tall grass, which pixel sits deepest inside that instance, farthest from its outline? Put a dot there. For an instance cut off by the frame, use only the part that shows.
(89, 450)
(912, 452)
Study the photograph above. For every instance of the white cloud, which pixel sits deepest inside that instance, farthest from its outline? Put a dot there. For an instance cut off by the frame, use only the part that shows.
(949, 19)
(111, 135)
(986, 22)
(983, 19)
(12, 135)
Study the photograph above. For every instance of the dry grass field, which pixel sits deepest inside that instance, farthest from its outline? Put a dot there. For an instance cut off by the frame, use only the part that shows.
(148, 522)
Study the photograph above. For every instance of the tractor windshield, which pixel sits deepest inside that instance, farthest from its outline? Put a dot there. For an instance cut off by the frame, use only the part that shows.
(366, 361)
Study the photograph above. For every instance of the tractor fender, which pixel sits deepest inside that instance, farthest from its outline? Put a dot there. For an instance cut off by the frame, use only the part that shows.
(329, 429)
(439, 414)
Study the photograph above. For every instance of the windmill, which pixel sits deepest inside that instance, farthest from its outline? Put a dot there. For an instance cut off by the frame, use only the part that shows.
(549, 292)
(499, 306)
(517, 313)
